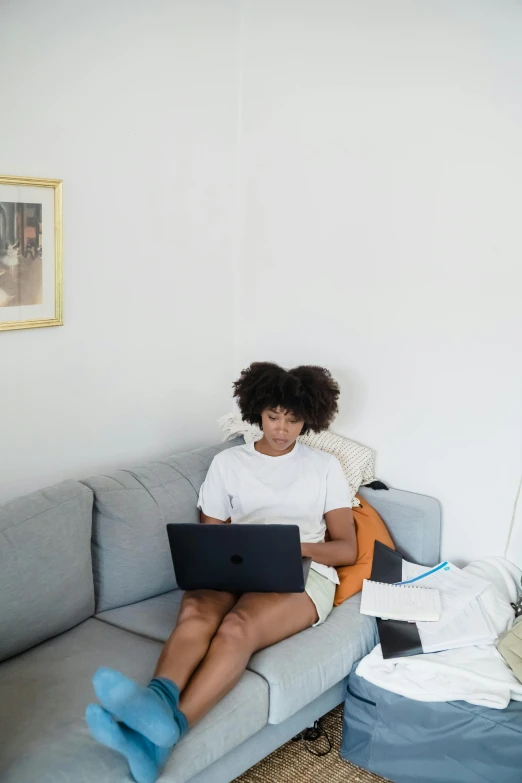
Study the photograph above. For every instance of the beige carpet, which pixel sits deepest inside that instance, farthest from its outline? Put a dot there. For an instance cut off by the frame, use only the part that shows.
(294, 764)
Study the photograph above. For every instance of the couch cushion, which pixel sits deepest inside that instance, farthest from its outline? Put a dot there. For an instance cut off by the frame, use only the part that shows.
(43, 695)
(131, 555)
(298, 670)
(44, 692)
(413, 521)
(46, 581)
(301, 668)
(154, 618)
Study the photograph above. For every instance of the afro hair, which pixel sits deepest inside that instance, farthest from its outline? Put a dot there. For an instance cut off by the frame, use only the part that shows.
(309, 393)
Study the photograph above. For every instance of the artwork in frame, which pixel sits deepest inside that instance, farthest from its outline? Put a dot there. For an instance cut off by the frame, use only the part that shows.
(31, 284)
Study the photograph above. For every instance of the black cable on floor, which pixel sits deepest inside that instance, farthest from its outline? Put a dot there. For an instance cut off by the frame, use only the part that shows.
(312, 735)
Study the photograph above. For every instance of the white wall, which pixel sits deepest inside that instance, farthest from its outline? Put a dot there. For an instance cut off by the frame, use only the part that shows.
(373, 149)
(134, 106)
(381, 165)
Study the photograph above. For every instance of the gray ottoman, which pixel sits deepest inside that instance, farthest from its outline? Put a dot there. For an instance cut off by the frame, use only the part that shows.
(410, 741)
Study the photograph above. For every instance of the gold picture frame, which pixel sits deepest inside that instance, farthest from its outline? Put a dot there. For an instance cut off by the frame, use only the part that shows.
(31, 253)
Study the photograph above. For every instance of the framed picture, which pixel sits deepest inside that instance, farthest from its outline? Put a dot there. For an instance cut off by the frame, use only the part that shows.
(31, 284)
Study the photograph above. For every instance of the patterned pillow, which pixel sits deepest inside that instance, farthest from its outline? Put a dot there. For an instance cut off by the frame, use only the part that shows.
(356, 461)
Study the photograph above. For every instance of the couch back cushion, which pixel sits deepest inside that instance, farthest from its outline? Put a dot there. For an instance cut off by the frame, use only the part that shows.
(46, 584)
(130, 548)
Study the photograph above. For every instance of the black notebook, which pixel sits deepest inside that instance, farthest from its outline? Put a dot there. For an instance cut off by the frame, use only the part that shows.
(398, 639)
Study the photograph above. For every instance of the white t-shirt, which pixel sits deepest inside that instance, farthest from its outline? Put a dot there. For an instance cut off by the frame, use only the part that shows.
(297, 488)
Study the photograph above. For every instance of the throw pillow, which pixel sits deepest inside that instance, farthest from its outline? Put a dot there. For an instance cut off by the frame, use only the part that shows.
(369, 528)
(356, 461)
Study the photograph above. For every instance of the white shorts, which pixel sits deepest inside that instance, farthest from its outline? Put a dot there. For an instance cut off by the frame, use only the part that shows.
(322, 592)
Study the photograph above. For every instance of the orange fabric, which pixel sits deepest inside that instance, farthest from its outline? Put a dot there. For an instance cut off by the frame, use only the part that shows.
(369, 528)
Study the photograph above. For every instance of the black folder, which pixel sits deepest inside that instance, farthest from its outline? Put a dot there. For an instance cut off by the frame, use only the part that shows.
(398, 639)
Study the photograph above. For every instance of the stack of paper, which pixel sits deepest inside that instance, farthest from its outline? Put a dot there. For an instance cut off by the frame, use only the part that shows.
(463, 621)
(470, 627)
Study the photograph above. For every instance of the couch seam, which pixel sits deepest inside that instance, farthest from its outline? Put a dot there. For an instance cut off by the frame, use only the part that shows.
(126, 630)
(141, 488)
(142, 485)
(51, 508)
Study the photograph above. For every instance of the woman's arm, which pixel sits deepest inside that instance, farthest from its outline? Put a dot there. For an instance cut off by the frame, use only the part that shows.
(341, 550)
(211, 521)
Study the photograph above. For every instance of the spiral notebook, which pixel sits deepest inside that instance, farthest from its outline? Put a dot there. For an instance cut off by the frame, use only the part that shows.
(400, 602)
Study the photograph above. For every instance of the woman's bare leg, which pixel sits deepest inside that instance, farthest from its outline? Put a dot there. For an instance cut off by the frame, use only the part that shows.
(199, 618)
(257, 620)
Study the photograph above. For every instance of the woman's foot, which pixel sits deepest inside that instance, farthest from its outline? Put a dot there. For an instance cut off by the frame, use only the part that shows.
(146, 760)
(152, 711)
(143, 724)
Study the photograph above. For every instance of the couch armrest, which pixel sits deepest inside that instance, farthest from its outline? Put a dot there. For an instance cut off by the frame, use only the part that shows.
(414, 522)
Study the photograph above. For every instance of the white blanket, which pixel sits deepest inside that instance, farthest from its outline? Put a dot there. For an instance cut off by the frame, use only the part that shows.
(478, 675)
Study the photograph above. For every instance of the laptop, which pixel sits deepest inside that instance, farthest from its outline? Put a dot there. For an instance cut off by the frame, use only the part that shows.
(238, 558)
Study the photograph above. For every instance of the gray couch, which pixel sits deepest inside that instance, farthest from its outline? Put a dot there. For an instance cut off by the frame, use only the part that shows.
(86, 580)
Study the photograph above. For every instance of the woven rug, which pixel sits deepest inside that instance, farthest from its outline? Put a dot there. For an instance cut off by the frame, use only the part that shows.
(292, 763)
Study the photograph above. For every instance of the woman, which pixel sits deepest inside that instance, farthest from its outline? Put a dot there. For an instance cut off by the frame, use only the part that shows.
(273, 480)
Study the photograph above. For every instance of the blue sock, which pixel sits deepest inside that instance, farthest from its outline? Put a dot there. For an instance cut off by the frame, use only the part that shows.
(150, 721)
(146, 760)
(152, 711)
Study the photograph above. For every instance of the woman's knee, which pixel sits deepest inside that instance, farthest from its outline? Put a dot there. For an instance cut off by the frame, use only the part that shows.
(237, 631)
(201, 611)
